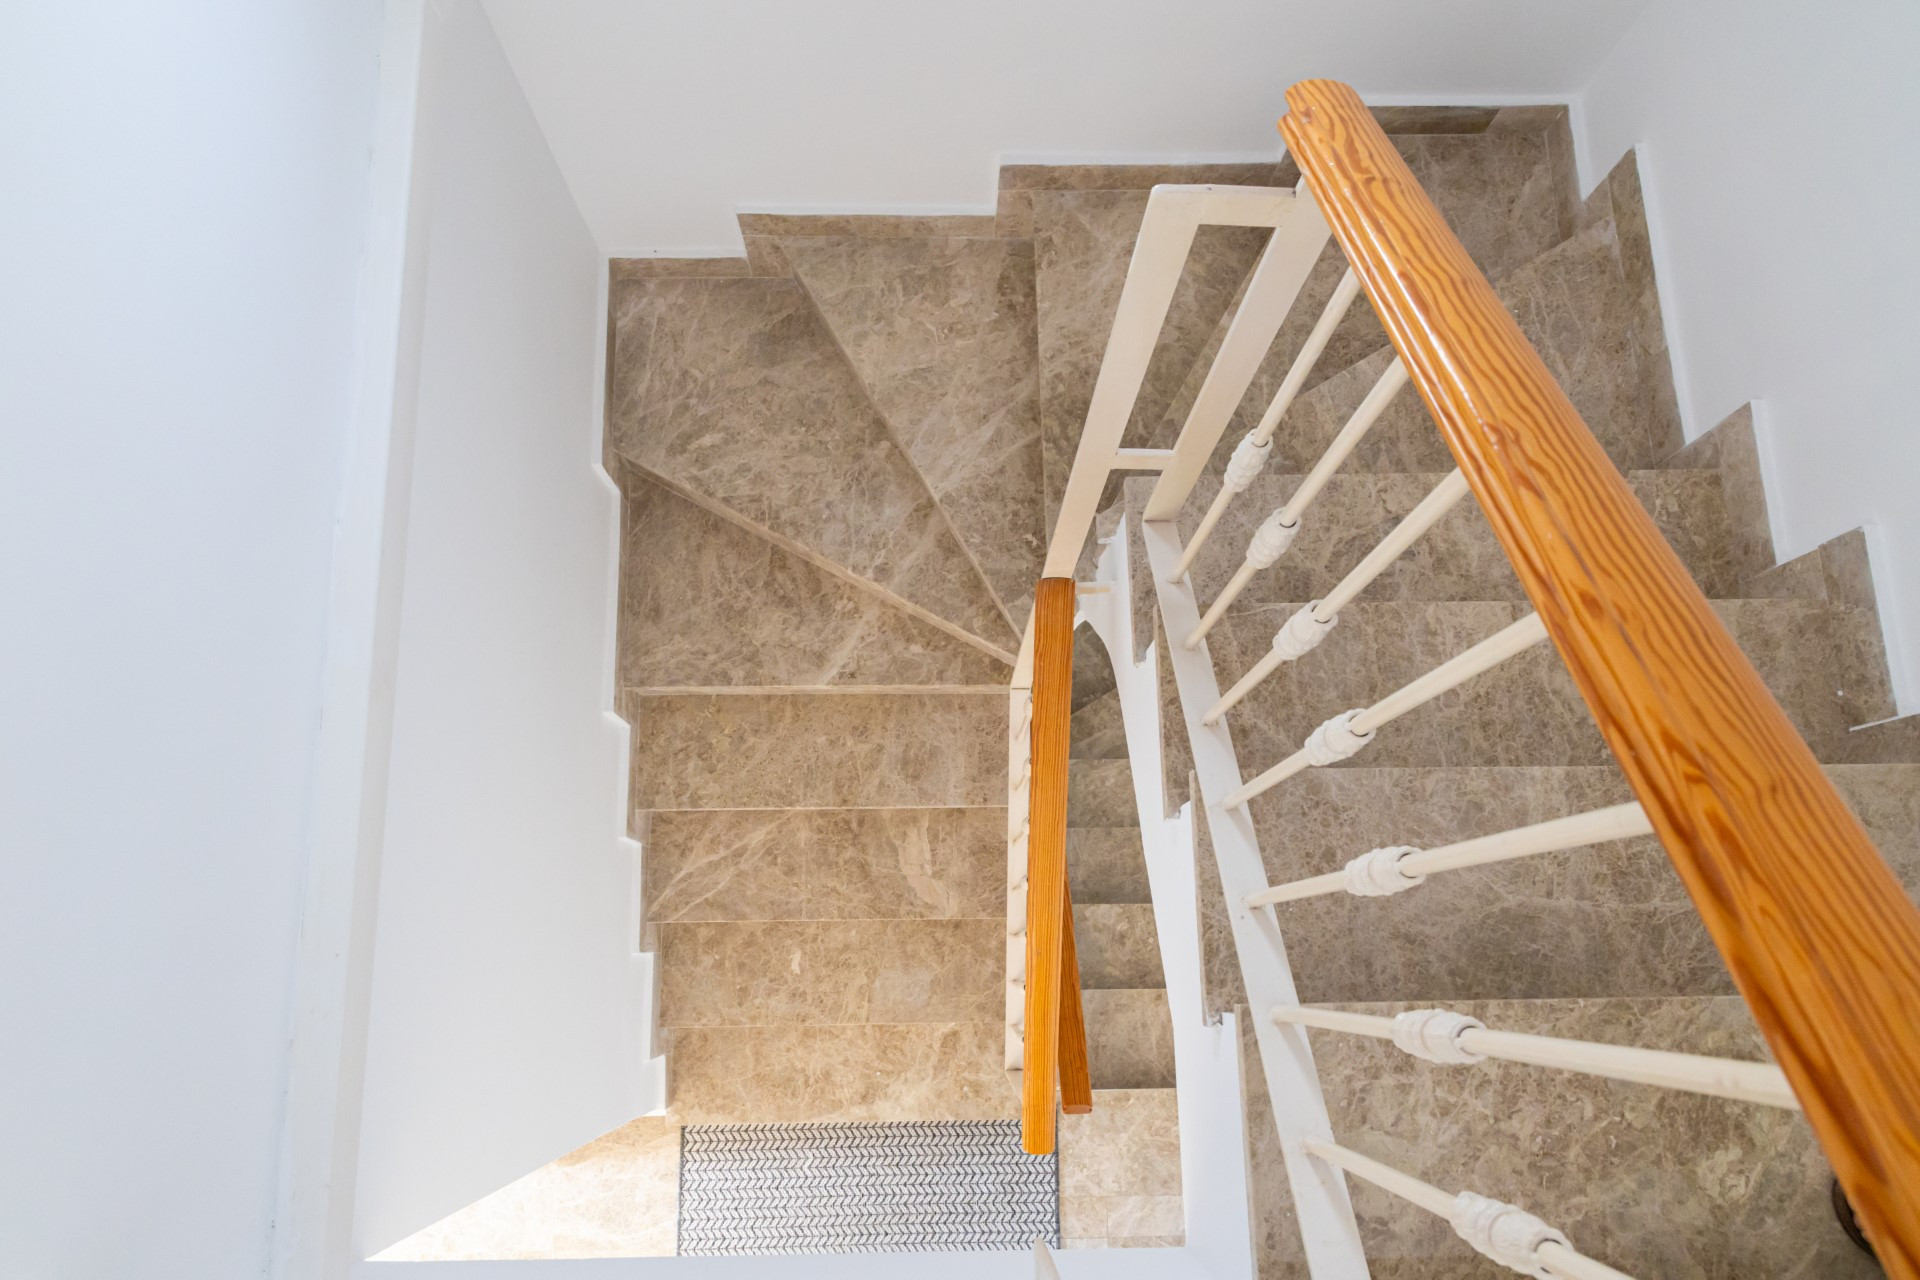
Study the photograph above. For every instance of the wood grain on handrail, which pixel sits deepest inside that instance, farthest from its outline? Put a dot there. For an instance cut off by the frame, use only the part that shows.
(1076, 1073)
(1048, 915)
(1817, 933)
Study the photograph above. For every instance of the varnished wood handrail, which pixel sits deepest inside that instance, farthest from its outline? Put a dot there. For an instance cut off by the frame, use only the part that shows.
(1054, 1049)
(1817, 933)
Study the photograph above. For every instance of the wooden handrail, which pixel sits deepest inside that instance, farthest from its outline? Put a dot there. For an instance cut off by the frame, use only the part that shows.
(1054, 1048)
(1817, 933)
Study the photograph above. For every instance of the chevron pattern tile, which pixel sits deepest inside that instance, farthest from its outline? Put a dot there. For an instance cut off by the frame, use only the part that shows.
(863, 1188)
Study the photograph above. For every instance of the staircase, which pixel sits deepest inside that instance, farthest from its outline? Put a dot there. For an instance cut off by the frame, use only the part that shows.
(842, 458)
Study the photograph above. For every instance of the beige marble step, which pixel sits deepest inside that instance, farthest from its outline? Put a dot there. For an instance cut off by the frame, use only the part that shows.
(779, 973)
(855, 1072)
(1106, 864)
(818, 750)
(1129, 1037)
(1097, 731)
(707, 604)
(1522, 173)
(1573, 302)
(1457, 559)
(732, 391)
(826, 864)
(1608, 920)
(1117, 945)
(941, 333)
(1625, 1170)
(1120, 1172)
(1100, 794)
(1824, 664)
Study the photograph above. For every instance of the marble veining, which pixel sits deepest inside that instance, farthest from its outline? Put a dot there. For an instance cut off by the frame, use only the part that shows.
(941, 332)
(829, 972)
(731, 390)
(819, 751)
(1120, 1172)
(1655, 1182)
(792, 1074)
(738, 611)
(826, 864)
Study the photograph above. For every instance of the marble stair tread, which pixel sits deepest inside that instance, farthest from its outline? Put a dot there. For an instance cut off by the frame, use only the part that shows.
(1572, 302)
(826, 864)
(732, 392)
(1129, 1037)
(1120, 1171)
(775, 973)
(941, 333)
(1502, 197)
(1100, 794)
(818, 750)
(1590, 1156)
(1106, 864)
(1083, 241)
(1819, 662)
(1458, 559)
(707, 604)
(1118, 946)
(1097, 731)
(817, 1074)
(1607, 920)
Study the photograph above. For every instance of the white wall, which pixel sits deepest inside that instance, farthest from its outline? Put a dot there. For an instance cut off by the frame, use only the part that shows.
(182, 195)
(509, 1011)
(667, 117)
(1775, 142)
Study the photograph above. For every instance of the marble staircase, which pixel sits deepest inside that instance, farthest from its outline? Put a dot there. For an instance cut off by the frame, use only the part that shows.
(840, 457)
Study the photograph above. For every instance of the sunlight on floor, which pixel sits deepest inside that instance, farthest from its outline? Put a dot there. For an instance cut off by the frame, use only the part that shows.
(616, 1197)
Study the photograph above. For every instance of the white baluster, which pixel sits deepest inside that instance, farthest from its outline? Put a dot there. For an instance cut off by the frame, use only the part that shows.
(1616, 822)
(1356, 728)
(1444, 1036)
(1288, 517)
(1251, 454)
(1300, 631)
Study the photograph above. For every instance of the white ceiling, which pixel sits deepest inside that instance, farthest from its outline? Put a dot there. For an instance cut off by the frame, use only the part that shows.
(667, 118)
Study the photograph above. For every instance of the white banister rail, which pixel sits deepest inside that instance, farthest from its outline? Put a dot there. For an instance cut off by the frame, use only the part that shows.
(1397, 868)
(1301, 634)
(1251, 453)
(1345, 734)
(1506, 1233)
(1438, 1035)
(1275, 534)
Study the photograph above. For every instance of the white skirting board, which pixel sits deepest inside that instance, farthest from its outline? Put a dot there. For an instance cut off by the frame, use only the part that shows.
(1327, 1228)
(1215, 1191)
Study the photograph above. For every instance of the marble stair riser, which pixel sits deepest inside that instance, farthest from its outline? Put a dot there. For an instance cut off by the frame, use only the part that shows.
(1117, 944)
(1106, 864)
(826, 864)
(768, 973)
(1129, 1038)
(1097, 733)
(848, 1073)
(733, 390)
(818, 750)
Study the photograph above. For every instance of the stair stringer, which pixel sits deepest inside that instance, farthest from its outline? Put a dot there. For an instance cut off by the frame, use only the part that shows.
(1329, 1232)
(1215, 1187)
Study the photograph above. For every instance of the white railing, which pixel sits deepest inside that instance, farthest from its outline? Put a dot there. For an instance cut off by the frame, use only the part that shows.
(1314, 1160)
